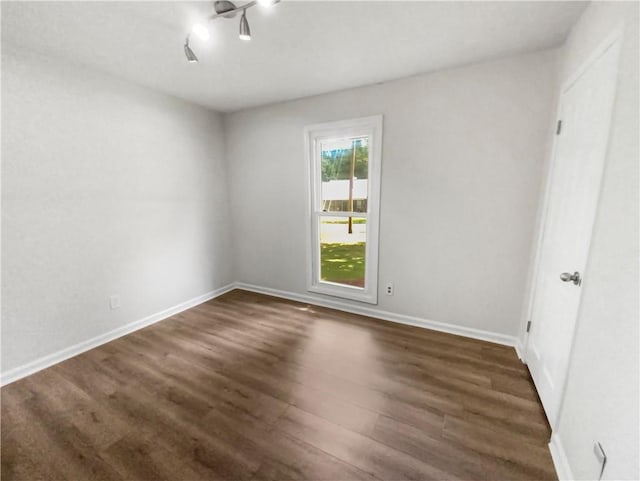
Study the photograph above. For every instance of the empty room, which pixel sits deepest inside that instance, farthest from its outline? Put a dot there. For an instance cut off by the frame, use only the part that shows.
(320, 240)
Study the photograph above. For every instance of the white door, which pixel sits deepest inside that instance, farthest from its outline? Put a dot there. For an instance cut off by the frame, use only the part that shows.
(586, 105)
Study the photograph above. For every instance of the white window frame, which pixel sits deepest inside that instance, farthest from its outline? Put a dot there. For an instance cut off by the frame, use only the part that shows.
(314, 135)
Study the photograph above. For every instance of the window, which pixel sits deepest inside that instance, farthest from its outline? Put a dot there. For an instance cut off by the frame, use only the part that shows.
(344, 192)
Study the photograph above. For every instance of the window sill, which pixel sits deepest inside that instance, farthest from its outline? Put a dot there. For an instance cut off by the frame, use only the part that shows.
(345, 292)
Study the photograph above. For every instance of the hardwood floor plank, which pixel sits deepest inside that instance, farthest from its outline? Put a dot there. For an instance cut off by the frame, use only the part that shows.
(251, 387)
(20, 462)
(65, 450)
(534, 430)
(342, 413)
(296, 460)
(514, 385)
(360, 451)
(500, 445)
(433, 449)
(131, 457)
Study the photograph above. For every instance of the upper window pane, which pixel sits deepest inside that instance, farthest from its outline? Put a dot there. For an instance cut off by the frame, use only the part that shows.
(345, 173)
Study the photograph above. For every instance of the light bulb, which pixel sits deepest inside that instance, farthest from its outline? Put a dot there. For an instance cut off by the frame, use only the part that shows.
(201, 31)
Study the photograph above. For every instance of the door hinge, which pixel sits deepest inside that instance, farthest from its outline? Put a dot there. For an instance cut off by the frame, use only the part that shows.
(528, 326)
(559, 127)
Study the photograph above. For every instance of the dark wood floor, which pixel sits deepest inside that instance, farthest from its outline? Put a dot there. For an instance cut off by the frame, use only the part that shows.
(250, 387)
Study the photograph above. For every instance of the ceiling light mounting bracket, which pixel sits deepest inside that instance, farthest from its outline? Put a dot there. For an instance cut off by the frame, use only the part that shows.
(227, 9)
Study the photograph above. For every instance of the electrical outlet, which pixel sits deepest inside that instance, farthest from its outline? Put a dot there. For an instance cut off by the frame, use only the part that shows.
(389, 289)
(114, 302)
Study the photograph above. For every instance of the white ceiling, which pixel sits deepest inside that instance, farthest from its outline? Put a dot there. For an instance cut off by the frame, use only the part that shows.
(298, 48)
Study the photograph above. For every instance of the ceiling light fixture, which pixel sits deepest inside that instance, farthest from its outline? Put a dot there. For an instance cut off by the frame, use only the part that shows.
(224, 9)
(245, 31)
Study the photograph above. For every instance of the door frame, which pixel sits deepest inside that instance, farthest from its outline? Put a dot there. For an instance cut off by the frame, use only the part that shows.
(611, 41)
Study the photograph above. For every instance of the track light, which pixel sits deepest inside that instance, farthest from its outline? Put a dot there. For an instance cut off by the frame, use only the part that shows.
(245, 31)
(191, 57)
(225, 9)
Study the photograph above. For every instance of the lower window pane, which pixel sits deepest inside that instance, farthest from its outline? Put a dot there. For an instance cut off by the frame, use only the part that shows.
(342, 250)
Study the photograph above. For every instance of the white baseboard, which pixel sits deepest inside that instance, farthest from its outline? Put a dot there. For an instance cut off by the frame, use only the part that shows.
(59, 356)
(560, 461)
(520, 350)
(384, 315)
(51, 359)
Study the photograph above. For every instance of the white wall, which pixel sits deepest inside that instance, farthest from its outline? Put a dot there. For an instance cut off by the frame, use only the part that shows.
(463, 151)
(107, 188)
(601, 400)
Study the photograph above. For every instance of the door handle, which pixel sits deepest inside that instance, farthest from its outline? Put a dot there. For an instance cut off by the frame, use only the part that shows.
(575, 278)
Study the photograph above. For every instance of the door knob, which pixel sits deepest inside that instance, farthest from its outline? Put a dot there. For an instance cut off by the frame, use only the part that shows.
(567, 277)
